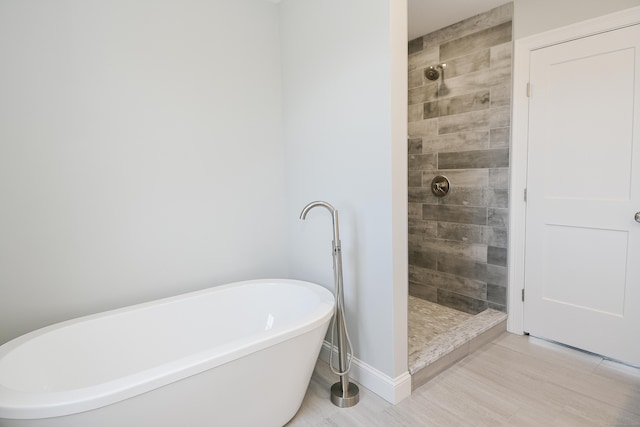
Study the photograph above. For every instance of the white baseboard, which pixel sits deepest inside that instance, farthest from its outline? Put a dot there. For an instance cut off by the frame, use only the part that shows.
(393, 390)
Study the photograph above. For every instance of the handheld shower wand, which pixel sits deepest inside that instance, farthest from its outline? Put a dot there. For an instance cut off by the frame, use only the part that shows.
(343, 393)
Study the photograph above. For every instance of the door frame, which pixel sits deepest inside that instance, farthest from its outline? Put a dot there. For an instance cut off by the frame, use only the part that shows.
(519, 145)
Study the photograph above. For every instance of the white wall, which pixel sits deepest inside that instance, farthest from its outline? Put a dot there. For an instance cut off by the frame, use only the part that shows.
(140, 152)
(536, 16)
(142, 155)
(399, 183)
(345, 137)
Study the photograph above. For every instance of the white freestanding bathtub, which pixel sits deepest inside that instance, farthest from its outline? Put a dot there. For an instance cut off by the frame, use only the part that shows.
(235, 355)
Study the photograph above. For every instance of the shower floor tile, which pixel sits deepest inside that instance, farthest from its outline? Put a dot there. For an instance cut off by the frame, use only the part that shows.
(439, 336)
(427, 320)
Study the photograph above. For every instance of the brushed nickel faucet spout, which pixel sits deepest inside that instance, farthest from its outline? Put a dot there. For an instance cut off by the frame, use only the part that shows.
(306, 209)
(334, 218)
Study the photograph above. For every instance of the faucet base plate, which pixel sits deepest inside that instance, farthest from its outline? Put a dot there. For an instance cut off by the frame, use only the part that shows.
(345, 400)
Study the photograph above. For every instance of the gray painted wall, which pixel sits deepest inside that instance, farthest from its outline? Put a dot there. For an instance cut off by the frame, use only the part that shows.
(344, 145)
(140, 153)
(536, 16)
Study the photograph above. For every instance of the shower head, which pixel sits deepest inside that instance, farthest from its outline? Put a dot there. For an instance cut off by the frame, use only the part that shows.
(433, 74)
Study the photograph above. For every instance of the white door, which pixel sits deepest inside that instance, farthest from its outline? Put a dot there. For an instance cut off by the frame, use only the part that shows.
(582, 262)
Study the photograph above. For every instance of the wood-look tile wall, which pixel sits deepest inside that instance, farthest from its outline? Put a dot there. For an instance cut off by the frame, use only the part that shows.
(459, 126)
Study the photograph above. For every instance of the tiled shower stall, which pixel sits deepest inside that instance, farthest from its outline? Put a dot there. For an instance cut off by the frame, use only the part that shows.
(459, 126)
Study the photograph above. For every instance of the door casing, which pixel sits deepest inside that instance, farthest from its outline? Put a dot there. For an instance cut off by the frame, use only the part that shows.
(518, 151)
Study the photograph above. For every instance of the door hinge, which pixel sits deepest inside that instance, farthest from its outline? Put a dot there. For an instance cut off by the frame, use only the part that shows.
(525, 194)
(528, 89)
(522, 294)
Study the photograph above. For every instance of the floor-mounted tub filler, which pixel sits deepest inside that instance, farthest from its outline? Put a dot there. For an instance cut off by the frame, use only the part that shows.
(234, 355)
(344, 394)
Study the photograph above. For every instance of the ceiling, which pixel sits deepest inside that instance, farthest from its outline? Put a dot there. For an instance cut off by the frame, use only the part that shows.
(426, 16)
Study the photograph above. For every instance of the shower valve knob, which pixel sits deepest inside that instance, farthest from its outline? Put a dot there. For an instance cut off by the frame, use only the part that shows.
(440, 186)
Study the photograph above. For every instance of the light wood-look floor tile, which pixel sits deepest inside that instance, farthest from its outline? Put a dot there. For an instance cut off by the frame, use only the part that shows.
(513, 381)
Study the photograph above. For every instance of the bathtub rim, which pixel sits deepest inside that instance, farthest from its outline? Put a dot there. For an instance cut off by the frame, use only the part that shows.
(17, 404)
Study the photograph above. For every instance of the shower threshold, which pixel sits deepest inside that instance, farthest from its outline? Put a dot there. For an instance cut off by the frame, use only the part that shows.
(440, 336)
